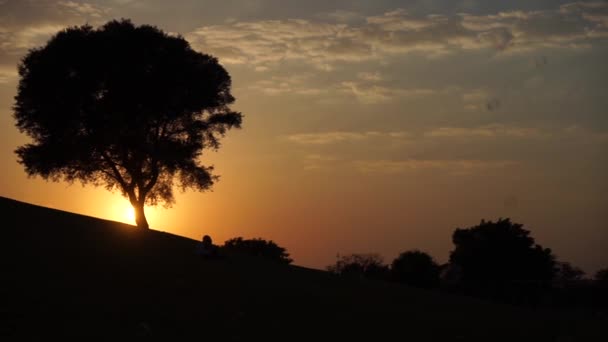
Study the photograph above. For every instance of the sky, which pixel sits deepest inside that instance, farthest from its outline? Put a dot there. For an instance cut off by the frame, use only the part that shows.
(370, 126)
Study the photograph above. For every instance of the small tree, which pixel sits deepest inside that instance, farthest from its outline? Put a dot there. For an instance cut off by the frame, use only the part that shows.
(128, 107)
(369, 266)
(258, 247)
(415, 268)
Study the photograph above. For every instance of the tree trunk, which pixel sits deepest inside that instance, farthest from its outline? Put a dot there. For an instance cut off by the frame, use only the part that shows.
(140, 216)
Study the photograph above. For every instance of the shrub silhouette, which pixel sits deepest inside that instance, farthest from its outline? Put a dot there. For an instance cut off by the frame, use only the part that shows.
(258, 247)
(415, 268)
(601, 277)
(501, 259)
(128, 107)
(369, 266)
(566, 273)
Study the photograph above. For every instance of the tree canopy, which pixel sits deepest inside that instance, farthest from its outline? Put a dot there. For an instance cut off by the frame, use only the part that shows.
(127, 107)
(601, 277)
(415, 268)
(501, 252)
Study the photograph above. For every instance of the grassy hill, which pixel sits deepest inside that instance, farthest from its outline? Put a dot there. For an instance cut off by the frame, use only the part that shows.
(67, 275)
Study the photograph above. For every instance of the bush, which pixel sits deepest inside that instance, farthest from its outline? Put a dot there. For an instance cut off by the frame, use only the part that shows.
(415, 268)
(370, 266)
(601, 277)
(258, 247)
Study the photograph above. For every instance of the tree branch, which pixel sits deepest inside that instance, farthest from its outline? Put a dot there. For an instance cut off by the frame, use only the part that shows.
(117, 174)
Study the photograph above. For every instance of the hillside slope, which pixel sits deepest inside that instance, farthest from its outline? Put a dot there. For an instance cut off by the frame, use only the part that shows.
(68, 275)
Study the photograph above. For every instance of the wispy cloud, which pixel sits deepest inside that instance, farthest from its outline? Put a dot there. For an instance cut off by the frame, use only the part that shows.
(30, 36)
(327, 138)
(341, 16)
(371, 93)
(7, 74)
(83, 8)
(26, 24)
(326, 43)
(295, 84)
(487, 131)
(318, 162)
(462, 166)
(492, 131)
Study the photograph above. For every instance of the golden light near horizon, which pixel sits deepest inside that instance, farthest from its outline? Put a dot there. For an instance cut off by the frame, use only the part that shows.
(121, 210)
(114, 207)
(129, 214)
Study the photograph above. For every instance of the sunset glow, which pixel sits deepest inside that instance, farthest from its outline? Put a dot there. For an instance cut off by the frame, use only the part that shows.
(129, 214)
(374, 126)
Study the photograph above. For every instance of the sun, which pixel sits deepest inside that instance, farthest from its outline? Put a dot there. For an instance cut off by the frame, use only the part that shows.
(121, 210)
(129, 214)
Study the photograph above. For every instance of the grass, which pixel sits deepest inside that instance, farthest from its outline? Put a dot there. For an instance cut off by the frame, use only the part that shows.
(71, 276)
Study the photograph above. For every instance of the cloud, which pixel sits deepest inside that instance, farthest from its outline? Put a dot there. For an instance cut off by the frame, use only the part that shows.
(325, 44)
(294, 84)
(488, 131)
(27, 24)
(369, 88)
(29, 37)
(317, 161)
(7, 74)
(452, 150)
(341, 16)
(477, 99)
(500, 38)
(459, 167)
(369, 76)
(400, 20)
(327, 138)
(491, 131)
(475, 95)
(372, 93)
(583, 135)
(273, 41)
(82, 8)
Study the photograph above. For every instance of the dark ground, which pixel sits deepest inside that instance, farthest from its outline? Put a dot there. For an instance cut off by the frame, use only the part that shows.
(71, 276)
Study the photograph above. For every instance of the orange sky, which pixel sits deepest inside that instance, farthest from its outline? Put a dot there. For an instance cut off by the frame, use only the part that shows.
(371, 127)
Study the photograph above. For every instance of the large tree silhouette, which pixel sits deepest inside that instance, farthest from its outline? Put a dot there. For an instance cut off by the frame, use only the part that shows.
(501, 252)
(127, 107)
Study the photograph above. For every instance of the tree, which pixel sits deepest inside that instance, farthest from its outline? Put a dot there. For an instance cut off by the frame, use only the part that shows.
(601, 277)
(128, 107)
(566, 273)
(502, 253)
(258, 247)
(415, 268)
(369, 266)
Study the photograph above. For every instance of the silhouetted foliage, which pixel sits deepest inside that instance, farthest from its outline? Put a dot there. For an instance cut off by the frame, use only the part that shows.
(566, 273)
(415, 268)
(124, 106)
(502, 259)
(601, 277)
(258, 247)
(369, 266)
